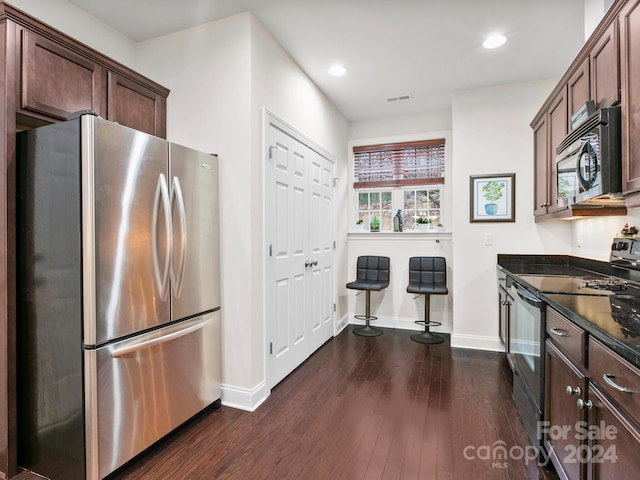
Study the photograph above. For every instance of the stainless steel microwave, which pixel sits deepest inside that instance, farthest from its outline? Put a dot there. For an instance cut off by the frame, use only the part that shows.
(589, 161)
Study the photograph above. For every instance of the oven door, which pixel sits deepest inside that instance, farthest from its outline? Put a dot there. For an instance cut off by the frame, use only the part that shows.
(526, 337)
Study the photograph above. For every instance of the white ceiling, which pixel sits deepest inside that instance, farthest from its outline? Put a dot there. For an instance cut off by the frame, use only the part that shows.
(423, 48)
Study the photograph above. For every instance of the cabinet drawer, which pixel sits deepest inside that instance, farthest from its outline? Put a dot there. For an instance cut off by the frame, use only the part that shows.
(569, 337)
(616, 377)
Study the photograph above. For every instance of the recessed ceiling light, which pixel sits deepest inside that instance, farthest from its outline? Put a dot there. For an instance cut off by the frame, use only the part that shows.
(337, 70)
(494, 41)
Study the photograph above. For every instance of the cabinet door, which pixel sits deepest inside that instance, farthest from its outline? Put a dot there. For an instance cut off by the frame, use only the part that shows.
(565, 384)
(57, 81)
(136, 106)
(578, 89)
(541, 166)
(630, 94)
(614, 442)
(605, 69)
(557, 132)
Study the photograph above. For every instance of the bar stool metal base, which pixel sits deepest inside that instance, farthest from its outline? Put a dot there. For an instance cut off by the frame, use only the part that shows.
(366, 330)
(427, 337)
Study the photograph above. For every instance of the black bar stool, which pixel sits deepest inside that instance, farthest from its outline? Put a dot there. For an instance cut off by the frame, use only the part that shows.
(373, 274)
(427, 276)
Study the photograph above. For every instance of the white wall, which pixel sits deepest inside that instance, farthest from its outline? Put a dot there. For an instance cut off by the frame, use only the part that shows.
(81, 26)
(222, 76)
(434, 121)
(594, 10)
(491, 135)
(394, 307)
(591, 237)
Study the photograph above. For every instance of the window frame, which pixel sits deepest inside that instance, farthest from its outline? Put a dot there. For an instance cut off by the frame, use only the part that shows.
(397, 203)
(398, 192)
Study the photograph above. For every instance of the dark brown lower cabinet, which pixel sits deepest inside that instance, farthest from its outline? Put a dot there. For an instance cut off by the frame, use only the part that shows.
(565, 384)
(614, 443)
(591, 427)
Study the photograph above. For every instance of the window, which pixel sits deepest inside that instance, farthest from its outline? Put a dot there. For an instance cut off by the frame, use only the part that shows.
(401, 176)
(423, 203)
(375, 205)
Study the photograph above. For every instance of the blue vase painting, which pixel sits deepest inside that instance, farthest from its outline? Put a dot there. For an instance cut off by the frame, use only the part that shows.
(492, 192)
(491, 208)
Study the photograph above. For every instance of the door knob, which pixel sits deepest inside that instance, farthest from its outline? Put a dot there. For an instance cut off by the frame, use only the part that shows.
(307, 264)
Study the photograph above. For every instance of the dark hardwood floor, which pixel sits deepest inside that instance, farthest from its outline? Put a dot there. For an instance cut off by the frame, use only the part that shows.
(360, 408)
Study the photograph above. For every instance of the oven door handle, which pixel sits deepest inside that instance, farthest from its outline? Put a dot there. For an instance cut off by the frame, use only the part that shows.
(526, 296)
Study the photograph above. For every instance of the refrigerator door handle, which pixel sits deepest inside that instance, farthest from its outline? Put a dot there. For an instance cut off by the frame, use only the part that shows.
(162, 277)
(119, 352)
(179, 277)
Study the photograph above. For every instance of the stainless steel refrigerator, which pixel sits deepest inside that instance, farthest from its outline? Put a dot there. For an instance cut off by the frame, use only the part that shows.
(118, 294)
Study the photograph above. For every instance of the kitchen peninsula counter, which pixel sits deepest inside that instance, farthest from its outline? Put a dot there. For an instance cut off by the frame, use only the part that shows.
(612, 319)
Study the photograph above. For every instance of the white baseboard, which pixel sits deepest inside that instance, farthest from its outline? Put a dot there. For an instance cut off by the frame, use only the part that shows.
(476, 342)
(341, 324)
(398, 322)
(243, 398)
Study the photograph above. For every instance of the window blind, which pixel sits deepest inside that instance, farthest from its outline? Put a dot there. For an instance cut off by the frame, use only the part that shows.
(399, 164)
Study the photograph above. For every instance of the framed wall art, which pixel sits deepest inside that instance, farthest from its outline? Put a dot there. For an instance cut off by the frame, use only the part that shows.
(493, 198)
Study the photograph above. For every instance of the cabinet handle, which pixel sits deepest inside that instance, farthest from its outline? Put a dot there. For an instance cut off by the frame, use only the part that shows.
(582, 404)
(572, 391)
(505, 302)
(558, 332)
(607, 377)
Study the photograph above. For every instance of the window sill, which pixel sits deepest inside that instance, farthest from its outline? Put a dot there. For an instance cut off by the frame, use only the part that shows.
(399, 235)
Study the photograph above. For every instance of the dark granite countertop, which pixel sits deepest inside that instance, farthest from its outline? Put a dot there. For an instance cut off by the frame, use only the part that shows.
(604, 321)
(614, 321)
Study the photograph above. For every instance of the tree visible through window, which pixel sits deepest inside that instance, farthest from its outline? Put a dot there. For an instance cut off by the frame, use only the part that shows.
(375, 206)
(421, 204)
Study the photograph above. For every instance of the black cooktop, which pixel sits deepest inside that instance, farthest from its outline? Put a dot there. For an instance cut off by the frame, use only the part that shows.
(585, 283)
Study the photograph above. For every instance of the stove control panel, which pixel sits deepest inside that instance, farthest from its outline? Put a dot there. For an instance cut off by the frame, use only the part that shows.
(625, 252)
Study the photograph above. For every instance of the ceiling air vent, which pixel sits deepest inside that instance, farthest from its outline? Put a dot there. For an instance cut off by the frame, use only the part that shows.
(399, 98)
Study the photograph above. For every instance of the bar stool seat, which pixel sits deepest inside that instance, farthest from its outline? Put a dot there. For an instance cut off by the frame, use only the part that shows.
(427, 276)
(372, 274)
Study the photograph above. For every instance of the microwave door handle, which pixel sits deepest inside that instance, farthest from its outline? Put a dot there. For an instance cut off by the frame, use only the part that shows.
(592, 166)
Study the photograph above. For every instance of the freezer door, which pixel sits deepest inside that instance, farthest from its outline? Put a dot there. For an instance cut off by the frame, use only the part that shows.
(126, 230)
(194, 200)
(140, 389)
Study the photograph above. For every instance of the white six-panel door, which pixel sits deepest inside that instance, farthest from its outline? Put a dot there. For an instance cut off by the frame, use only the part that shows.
(300, 260)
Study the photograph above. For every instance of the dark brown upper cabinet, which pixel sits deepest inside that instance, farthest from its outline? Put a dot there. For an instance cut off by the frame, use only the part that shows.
(630, 100)
(134, 105)
(57, 81)
(605, 68)
(603, 71)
